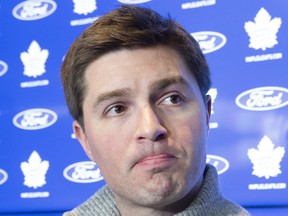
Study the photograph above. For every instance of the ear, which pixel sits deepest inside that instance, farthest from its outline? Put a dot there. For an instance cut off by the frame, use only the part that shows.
(208, 104)
(81, 136)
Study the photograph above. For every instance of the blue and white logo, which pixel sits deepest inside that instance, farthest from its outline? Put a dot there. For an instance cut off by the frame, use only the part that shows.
(209, 41)
(220, 163)
(34, 9)
(35, 119)
(83, 172)
(263, 98)
(3, 68)
(3, 176)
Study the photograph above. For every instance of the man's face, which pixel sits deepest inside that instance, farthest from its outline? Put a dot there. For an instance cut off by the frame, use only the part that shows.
(145, 125)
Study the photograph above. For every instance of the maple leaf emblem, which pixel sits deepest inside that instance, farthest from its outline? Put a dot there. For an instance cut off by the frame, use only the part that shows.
(34, 60)
(263, 31)
(34, 171)
(266, 159)
(84, 6)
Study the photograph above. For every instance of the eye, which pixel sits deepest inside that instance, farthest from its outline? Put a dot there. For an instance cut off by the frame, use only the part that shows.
(173, 99)
(115, 110)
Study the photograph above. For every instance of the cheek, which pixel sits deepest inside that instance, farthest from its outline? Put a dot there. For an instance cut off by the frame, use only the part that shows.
(104, 147)
(110, 138)
(195, 119)
(193, 134)
(194, 144)
(194, 140)
(108, 149)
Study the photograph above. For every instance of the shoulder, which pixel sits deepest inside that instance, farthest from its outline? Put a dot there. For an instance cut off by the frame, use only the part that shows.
(228, 207)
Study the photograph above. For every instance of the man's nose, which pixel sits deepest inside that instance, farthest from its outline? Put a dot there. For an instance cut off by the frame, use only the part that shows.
(150, 125)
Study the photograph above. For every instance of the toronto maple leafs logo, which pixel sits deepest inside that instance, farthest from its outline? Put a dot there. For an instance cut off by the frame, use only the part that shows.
(84, 6)
(266, 159)
(34, 171)
(34, 60)
(263, 30)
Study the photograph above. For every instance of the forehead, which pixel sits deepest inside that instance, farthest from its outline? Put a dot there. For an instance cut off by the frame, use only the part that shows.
(135, 67)
(160, 56)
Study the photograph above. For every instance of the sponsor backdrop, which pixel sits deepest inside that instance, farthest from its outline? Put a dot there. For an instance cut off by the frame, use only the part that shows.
(43, 167)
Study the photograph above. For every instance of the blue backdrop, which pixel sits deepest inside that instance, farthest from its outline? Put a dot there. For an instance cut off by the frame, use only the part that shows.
(43, 167)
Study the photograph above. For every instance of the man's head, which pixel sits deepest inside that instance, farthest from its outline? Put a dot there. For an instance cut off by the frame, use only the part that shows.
(136, 85)
(127, 28)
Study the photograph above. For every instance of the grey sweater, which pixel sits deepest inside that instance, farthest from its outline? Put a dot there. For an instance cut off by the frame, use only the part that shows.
(209, 201)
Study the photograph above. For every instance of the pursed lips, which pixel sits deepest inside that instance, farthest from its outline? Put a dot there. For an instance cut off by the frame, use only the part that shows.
(155, 159)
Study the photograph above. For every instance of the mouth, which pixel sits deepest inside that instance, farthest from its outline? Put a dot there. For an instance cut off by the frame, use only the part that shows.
(157, 160)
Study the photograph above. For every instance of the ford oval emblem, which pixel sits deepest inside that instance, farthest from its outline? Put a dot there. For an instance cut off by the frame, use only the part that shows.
(3, 176)
(83, 172)
(220, 163)
(263, 98)
(209, 41)
(34, 9)
(3, 68)
(35, 119)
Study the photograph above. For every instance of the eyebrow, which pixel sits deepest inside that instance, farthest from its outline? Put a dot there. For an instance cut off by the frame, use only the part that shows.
(166, 82)
(123, 92)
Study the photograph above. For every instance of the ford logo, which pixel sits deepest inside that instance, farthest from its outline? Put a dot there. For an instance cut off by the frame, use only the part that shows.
(209, 41)
(133, 1)
(35, 119)
(83, 172)
(34, 10)
(221, 164)
(3, 176)
(3, 68)
(263, 98)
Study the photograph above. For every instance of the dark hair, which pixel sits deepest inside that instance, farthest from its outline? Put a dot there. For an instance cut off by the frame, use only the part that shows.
(128, 27)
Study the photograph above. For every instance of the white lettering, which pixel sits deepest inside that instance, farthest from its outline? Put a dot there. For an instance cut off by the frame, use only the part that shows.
(34, 83)
(83, 21)
(197, 4)
(264, 57)
(267, 186)
(83, 172)
(33, 9)
(35, 195)
(213, 125)
(261, 99)
(34, 119)
(209, 44)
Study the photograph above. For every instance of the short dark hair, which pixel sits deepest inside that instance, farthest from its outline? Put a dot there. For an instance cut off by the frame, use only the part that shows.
(128, 27)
